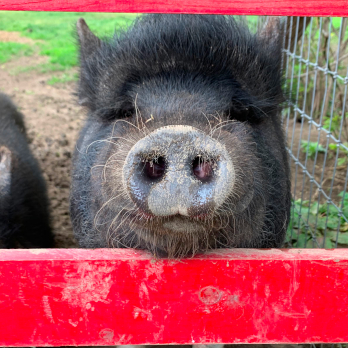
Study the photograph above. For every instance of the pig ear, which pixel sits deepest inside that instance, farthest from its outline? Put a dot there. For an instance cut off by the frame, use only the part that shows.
(87, 40)
(5, 170)
(272, 30)
(89, 44)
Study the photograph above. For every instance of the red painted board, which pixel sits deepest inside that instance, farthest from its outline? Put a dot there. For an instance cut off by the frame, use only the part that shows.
(336, 8)
(108, 297)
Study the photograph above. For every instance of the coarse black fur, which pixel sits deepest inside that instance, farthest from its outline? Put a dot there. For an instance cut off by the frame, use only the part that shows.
(199, 51)
(204, 71)
(24, 219)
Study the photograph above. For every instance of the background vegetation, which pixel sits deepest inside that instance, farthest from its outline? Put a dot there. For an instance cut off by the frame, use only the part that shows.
(54, 36)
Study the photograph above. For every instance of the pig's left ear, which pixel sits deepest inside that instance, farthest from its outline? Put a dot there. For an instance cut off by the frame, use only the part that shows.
(89, 45)
(5, 171)
(272, 31)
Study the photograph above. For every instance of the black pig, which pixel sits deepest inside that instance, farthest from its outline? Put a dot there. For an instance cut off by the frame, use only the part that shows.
(24, 219)
(183, 149)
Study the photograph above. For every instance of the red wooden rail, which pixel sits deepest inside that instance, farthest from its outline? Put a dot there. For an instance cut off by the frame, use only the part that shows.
(107, 297)
(238, 7)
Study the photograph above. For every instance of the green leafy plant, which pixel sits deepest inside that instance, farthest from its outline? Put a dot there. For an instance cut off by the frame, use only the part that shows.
(311, 148)
(343, 159)
(314, 221)
(335, 122)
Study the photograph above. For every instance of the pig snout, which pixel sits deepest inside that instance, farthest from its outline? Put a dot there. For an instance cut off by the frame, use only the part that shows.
(178, 170)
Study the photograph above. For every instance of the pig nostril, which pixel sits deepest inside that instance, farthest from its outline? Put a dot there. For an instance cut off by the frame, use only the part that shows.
(202, 169)
(155, 168)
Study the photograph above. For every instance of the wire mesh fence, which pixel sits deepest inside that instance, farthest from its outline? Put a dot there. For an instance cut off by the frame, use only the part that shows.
(316, 78)
(315, 70)
(315, 67)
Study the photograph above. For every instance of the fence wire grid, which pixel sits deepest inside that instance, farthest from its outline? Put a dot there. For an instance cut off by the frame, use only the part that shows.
(315, 67)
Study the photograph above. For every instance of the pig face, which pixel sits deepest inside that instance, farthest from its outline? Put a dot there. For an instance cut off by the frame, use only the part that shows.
(182, 150)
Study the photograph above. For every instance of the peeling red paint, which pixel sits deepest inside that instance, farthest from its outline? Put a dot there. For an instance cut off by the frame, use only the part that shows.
(118, 297)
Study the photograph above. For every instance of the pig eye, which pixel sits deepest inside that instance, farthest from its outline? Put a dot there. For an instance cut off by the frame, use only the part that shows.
(241, 113)
(109, 114)
(203, 170)
(124, 113)
(155, 169)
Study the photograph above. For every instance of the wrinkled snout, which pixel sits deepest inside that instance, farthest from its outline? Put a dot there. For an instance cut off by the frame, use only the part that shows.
(178, 170)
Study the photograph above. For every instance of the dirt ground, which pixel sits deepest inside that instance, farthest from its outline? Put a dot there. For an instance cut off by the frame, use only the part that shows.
(53, 120)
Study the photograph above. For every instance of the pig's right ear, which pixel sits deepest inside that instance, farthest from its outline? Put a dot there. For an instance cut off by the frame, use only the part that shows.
(87, 40)
(5, 171)
(89, 44)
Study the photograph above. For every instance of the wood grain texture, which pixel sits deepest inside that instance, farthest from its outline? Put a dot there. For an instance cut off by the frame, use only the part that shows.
(336, 8)
(109, 297)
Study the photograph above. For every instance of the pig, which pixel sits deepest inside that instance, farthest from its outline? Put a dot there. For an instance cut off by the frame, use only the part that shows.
(24, 217)
(182, 150)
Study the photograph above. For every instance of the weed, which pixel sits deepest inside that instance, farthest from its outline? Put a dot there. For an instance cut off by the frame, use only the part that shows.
(311, 148)
(333, 124)
(321, 224)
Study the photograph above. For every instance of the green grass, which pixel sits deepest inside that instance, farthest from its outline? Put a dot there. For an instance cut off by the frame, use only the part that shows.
(55, 32)
(9, 50)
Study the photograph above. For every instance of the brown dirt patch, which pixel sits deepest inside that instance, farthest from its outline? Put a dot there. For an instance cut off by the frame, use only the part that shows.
(12, 36)
(53, 120)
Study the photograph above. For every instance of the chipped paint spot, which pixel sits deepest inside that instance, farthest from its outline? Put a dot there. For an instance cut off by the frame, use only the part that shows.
(38, 251)
(73, 323)
(210, 295)
(155, 270)
(295, 315)
(93, 285)
(142, 313)
(125, 339)
(143, 291)
(159, 335)
(234, 298)
(106, 334)
(287, 266)
(47, 308)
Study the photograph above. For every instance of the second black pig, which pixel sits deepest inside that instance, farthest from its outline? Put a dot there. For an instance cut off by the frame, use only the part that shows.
(24, 219)
(182, 150)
